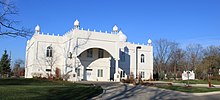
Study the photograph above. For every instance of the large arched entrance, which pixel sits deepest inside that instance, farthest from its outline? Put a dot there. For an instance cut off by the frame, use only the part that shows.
(96, 64)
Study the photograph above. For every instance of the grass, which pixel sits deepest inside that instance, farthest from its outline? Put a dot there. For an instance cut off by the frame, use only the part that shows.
(189, 89)
(215, 82)
(35, 89)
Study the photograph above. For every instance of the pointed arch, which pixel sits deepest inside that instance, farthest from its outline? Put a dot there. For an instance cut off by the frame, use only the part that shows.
(142, 58)
(49, 52)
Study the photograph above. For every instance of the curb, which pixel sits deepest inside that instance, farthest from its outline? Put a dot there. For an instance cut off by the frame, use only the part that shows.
(206, 93)
(193, 94)
(98, 96)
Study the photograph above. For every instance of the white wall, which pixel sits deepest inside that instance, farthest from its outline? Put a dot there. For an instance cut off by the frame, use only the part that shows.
(62, 45)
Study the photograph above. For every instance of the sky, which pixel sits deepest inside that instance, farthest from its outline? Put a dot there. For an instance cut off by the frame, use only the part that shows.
(183, 21)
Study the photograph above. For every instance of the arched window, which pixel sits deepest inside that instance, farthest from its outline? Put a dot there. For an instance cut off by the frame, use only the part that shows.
(49, 51)
(142, 58)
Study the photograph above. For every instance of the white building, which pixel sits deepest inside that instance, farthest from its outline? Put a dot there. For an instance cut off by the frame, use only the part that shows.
(88, 55)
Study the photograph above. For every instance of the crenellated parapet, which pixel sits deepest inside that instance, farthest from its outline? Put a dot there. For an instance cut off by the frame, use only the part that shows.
(115, 31)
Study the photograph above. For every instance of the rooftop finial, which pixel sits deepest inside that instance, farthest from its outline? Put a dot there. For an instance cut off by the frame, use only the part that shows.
(115, 29)
(37, 29)
(149, 42)
(122, 36)
(76, 24)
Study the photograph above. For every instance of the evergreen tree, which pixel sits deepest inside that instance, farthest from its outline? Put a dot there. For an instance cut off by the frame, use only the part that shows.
(5, 64)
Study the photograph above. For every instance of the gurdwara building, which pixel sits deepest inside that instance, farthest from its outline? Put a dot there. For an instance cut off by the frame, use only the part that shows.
(85, 55)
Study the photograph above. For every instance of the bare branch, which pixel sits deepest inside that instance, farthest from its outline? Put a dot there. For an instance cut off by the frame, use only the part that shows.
(7, 26)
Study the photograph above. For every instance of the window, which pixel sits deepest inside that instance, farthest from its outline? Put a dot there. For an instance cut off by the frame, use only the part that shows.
(77, 70)
(142, 75)
(122, 57)
(142, 58)
(122, 74)
(89, 53)
(100, 72)
(70, 55)
(101, 53)
(49, 52)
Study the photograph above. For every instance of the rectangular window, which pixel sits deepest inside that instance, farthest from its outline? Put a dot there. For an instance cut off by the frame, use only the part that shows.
(89, 53)
(142, 75)
(100, 53)
(122, 74)
(78, 71)
(100, 72)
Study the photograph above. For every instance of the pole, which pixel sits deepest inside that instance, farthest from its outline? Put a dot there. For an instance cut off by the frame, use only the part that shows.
(188, 76)
(136, 63)
(209, 81)
(137, 77)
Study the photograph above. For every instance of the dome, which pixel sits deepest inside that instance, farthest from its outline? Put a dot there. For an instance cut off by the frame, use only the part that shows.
(122, 36)
(149, 41)
(37, 28)
(76, 23)
(115, 29)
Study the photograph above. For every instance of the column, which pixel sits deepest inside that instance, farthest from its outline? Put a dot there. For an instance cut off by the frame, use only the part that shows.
(116, 66)
(116, 75)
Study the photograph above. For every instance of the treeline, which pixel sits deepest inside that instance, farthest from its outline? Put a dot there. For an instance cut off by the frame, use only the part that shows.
(18, 69)
(171, 60)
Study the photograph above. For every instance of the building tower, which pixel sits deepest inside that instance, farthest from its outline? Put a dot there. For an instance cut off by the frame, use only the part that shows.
(149, 42)
(115, 29)
(37, 29)
(76, 24)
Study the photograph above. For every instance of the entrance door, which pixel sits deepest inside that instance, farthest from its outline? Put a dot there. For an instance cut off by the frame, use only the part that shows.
(89, 74)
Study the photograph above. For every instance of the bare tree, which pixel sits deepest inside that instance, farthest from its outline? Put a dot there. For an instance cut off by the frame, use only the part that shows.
(162, 54)
(50, 59)
(7, 25)
(177, 62)
(194, 55)
(70, 52)
(211, 60)
(18, 68)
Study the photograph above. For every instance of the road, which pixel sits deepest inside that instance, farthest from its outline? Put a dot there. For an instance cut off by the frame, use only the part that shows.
(119, 91)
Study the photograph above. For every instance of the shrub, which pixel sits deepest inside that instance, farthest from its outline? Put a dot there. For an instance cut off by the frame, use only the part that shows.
(130, 79)
(57, 73)
(217, 78)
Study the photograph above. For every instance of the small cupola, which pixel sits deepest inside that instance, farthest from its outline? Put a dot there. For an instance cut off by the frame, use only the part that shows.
(115, 29)
(122, 36)
(149, 42)
(37, 29)
(76, 24)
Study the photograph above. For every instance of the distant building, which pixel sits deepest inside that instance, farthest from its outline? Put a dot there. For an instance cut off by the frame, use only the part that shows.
(188, 75)
(88, 55)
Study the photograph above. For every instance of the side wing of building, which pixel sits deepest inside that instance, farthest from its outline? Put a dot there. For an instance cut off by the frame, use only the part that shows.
(43, 54)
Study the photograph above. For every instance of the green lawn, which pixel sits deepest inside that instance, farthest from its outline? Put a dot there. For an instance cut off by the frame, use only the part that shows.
(189, 89)
(34, 89)
(198, 81)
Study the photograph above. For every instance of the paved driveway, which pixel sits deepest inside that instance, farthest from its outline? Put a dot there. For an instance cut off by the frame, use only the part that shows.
(119, 91)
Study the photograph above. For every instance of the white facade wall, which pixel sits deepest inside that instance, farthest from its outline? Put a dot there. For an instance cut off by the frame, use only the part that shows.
(79, 66)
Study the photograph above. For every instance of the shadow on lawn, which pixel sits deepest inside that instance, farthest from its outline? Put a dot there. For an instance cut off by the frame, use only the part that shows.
(36, 89)
(21, 81)
(70, 93)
